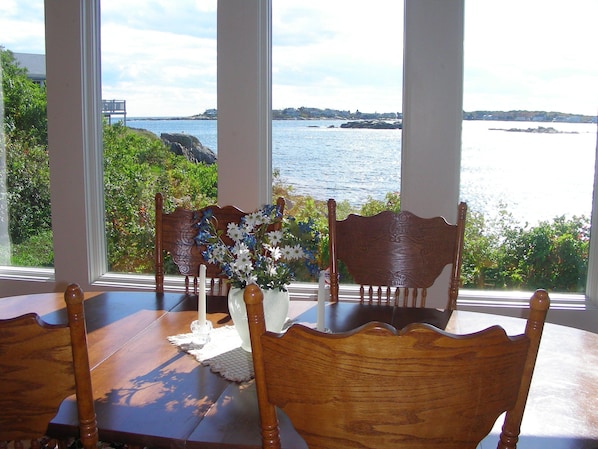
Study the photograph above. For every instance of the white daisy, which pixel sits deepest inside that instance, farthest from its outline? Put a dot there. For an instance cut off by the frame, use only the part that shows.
(234, 232)
(274, 237)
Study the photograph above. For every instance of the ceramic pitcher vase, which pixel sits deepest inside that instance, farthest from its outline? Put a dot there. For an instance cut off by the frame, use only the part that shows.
(276, 308)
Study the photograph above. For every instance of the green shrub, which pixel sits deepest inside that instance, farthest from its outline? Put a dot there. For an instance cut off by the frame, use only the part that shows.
(28, 187)
(498, 253)
(36, 251)
(136, 166)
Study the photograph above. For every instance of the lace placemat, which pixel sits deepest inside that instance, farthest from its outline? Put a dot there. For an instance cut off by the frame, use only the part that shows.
(223, 353)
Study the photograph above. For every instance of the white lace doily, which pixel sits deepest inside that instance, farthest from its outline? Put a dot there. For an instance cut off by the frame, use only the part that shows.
(223, 353)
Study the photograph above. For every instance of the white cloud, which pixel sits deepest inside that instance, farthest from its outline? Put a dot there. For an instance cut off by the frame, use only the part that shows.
(162, 60)
(22, 26)
(532, 54)
(161, 56)
(338, 54)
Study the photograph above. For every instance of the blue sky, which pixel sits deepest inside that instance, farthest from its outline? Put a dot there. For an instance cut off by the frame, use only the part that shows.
(531, 54)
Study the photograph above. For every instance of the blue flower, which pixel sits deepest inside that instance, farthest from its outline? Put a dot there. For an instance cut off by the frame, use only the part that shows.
(258, 254)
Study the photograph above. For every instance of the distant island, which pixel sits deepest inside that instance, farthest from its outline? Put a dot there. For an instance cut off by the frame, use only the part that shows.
(373, 124)
(539, 129)
(305, 113)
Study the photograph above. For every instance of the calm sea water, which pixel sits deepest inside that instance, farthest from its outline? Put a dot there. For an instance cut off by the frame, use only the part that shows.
(537, 176)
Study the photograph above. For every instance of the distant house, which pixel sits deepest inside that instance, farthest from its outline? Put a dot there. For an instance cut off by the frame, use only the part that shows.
(34, 64)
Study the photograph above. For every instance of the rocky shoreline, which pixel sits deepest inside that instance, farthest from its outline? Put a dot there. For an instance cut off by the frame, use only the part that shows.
(188, 146)
(372, 124)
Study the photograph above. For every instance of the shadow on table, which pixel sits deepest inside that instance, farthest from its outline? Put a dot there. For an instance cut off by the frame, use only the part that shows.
(537, 442)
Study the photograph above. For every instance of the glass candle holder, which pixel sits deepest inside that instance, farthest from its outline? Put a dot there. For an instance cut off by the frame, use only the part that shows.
(201, 332)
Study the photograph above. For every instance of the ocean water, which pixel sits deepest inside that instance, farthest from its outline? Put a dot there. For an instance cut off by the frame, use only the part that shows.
(535, 176)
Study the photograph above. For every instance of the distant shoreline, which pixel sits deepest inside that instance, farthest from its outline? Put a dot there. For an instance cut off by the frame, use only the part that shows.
(308, 114)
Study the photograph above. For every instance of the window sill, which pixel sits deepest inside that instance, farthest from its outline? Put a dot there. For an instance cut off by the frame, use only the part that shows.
(573, 310)
(27, 274)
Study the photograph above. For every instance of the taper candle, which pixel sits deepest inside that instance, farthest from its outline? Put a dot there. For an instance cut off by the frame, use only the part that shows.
(320, 325)
(201, 300)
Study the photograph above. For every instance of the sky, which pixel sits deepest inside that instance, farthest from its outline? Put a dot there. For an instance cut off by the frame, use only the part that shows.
(338, 54)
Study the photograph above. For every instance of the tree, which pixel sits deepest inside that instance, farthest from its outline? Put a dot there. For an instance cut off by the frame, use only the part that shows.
(27, 164)
(24, 102)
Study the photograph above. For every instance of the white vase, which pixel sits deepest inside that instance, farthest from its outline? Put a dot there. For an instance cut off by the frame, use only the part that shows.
(276, 308)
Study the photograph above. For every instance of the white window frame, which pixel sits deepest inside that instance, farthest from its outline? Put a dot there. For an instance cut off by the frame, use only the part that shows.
(433, 42)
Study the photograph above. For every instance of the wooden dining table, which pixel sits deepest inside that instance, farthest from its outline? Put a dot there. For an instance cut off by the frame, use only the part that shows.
(150, 393)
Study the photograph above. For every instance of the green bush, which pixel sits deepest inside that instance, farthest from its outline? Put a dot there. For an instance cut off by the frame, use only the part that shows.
(26, 136)
(24, 101)
(36, 251)
(136, 166)
(498, 253)
(28, 187)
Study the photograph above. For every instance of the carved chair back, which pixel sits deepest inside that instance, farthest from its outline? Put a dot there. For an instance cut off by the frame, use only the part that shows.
(377, 387)
(41, 365)
(175, 234)
(396, 257)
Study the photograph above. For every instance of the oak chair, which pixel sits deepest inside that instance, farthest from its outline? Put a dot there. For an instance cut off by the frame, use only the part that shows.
(41, 365)
(376, 387)
(395, 257)
(175, 234)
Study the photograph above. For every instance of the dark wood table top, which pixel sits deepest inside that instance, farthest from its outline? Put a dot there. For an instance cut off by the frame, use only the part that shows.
(150, 393)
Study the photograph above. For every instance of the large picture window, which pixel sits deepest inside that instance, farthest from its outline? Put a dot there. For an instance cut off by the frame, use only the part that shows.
(529, 144)
(159, 107)
(25, 219)
(75, 128)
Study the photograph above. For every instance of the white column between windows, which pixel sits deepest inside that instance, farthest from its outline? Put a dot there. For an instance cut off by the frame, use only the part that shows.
(432, 114)
(244, 103)
(432, 107)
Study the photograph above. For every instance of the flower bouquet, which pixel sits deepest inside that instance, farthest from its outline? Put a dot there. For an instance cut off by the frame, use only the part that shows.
(265, 248)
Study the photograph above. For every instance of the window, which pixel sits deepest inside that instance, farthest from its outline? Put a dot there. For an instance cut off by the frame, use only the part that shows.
(529, 142)
(25, 224)
(334, 63)
(158, 75)
(72, 34)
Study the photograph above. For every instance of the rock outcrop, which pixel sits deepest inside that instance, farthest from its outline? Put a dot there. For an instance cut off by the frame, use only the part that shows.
(372, 124)
(189, 146)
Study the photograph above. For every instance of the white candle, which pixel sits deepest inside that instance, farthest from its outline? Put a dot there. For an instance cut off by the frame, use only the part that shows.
(201, 300)
(320, 325)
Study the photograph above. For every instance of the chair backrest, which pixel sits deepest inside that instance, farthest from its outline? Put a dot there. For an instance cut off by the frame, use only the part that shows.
(41, 365)
(376, 387)
(175, 234)
(395, 257)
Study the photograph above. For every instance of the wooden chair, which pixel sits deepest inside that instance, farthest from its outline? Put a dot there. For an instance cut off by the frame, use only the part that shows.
(376, 387)
(395, 257)
(42, 364)
(175, 234)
